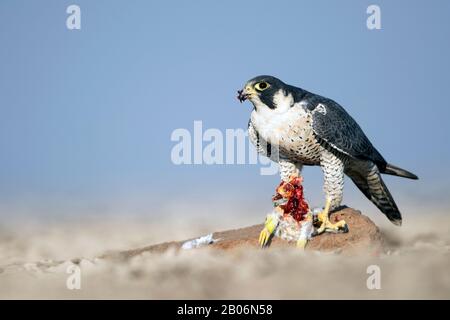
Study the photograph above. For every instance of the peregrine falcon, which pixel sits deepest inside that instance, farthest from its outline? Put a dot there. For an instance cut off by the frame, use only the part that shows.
(295, 127)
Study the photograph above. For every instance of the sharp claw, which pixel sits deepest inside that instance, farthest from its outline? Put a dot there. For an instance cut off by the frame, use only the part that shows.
(326, 225)
(270, 225)
(263, 237)
(340, 227)
(345, 228)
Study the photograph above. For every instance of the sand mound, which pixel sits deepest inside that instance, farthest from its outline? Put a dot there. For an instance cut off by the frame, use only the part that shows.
(363, 237)
(35, 262)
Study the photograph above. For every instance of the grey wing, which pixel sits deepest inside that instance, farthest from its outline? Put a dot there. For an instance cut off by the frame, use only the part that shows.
(336, 129)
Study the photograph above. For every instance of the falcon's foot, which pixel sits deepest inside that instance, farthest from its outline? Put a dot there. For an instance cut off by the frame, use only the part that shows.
(325, 223)
(270, 225)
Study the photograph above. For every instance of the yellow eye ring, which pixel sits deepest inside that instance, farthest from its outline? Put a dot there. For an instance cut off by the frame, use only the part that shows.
(261, 86)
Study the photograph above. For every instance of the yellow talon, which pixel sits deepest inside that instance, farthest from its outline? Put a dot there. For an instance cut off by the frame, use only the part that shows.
(326, 225)
(264, 237)
(269, 228)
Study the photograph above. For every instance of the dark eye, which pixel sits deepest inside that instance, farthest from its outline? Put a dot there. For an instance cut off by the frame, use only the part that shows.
(260, 86)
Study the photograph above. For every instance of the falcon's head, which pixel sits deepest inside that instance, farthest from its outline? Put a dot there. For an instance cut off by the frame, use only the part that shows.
(267, 92)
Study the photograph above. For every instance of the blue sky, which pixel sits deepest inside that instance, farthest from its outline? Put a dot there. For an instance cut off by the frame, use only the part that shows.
(87, 114)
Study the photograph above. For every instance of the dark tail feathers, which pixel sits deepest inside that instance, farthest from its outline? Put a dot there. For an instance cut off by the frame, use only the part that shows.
(396, 171)
(369, 181)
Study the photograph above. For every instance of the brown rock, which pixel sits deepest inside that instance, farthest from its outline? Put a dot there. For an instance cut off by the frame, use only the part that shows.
(363, 237)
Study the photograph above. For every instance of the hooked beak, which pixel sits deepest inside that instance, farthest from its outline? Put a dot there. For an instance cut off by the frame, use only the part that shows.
(242, 96)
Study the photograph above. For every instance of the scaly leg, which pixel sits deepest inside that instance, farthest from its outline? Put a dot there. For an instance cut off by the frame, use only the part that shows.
(333, 173)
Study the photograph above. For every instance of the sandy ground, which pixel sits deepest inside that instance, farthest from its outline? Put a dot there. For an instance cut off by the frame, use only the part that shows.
(35, 258)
